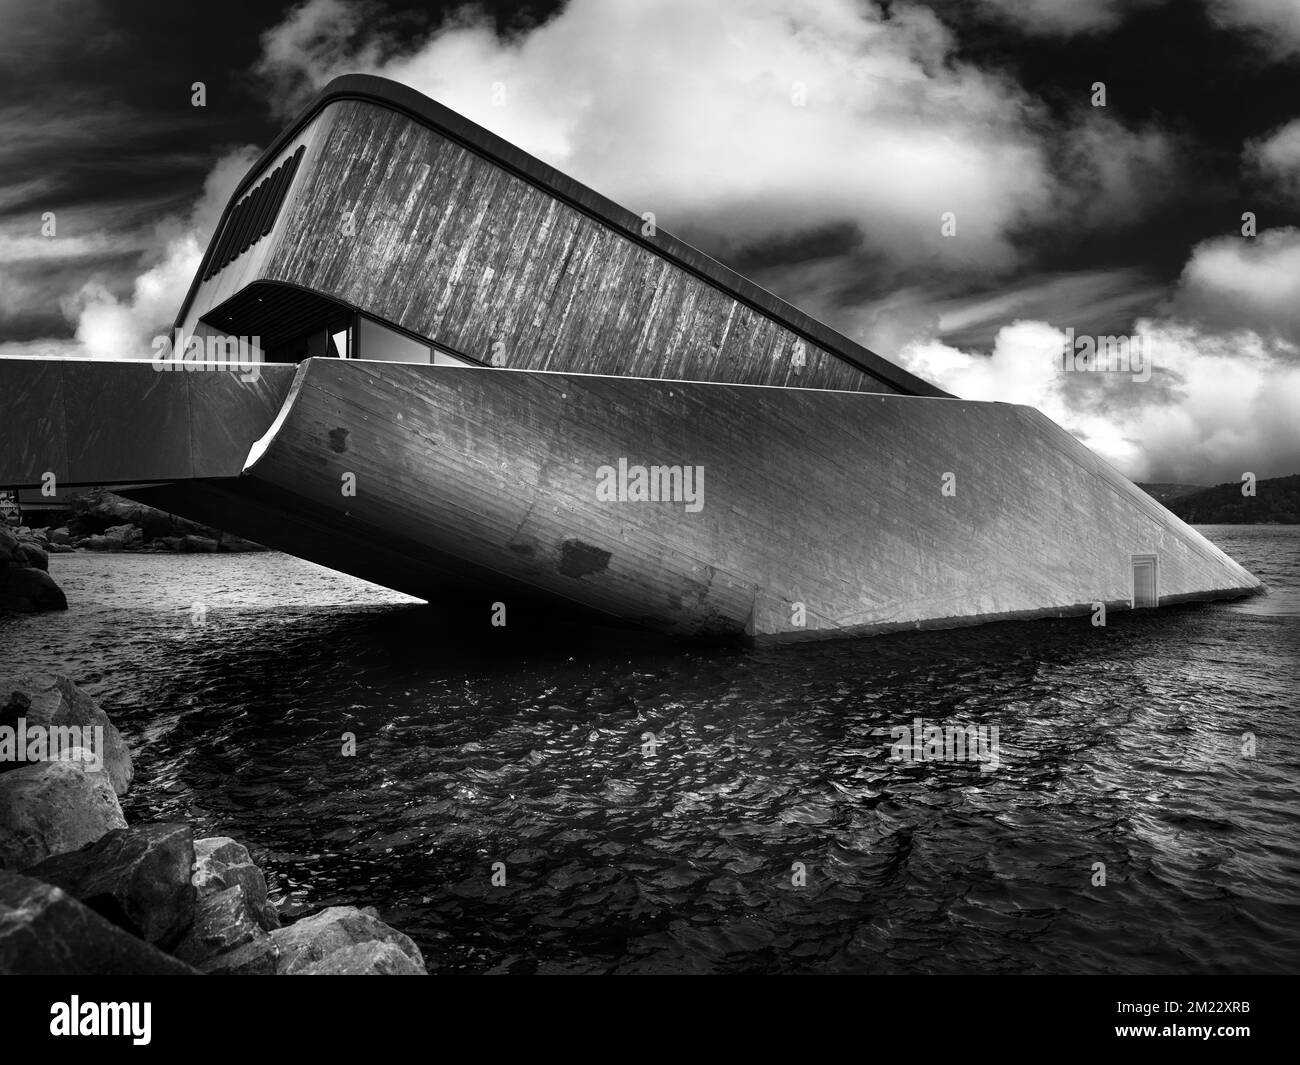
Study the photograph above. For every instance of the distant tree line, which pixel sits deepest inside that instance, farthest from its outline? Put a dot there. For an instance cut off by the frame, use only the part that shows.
(1276, 501)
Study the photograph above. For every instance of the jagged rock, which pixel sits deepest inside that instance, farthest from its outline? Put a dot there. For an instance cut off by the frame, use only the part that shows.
(198, 544)
(223, 922)
(24, 590)
(45, 931)
(137, 878)
(60, 549)
(129, 535)
(61, 535)
(100, 543)
(374, 958)
(312, 941)
(52, 700)
(98, 510)
(221, 863)
(51, 807)
(166, 543)
(252, 959)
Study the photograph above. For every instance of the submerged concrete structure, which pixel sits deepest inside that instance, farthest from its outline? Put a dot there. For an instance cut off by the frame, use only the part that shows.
(485, 383)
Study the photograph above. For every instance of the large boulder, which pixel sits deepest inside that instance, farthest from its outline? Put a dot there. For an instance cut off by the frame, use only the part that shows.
(61, 535)
(51, 807)
(97, 510)
(325, 942)
(220, 863)
(256, 958)
(223, 922)
(24, 590)
(100, 543)
(30, 553)
(198, 544)
(8, 545)
(126, 535)
(53, 701)
(138, 878)
(45, 931)
(373, 958)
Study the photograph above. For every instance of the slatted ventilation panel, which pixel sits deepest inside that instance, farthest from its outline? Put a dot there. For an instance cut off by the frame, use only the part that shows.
(1146, 591)
(254, 215)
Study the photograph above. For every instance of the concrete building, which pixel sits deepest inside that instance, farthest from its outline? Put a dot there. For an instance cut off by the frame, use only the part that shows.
(414, 353)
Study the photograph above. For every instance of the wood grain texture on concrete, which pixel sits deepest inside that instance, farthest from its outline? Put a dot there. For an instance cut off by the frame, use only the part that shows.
(410, 213)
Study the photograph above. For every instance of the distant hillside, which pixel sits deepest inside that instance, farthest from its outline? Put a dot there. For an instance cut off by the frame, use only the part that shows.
(1166, 492)
(1276, 501)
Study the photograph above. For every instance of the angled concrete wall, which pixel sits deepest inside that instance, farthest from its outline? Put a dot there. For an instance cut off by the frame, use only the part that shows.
(91, 422)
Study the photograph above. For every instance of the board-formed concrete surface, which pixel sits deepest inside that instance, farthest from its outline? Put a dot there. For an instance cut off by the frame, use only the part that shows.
(409, 212)
(821, 512)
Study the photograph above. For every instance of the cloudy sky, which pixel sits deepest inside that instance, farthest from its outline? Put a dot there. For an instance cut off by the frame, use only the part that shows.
(815, 145)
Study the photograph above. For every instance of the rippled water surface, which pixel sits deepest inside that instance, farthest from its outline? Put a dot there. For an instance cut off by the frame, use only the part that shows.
(1120, 745)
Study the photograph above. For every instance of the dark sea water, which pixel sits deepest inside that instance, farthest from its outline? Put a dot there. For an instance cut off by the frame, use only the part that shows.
(1120, 745)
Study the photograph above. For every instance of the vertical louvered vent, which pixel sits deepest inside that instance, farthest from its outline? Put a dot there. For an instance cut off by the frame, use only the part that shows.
(254, 215)
(1146, 591)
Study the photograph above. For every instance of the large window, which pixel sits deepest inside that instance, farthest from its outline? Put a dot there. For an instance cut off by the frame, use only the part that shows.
(382, 344)
(332, 339)
(446, 358)
(355, 336)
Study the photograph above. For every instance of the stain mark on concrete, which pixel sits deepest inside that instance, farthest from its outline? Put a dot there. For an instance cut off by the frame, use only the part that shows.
(339, 440)
(580, 560)
(527, 550)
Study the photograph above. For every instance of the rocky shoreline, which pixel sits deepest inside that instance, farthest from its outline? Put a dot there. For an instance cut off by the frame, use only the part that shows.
(98, 520)
(25, 582)
(83, 893)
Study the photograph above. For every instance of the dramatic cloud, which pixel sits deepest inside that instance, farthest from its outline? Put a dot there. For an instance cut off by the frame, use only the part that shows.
(1276, 159)
(1234, 283)
(745, 122)
(1224, 386)
(107, 326)
(1273, 24)
(110, 328)
(1065, 18)
(1115, 173)
(1099, 301)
